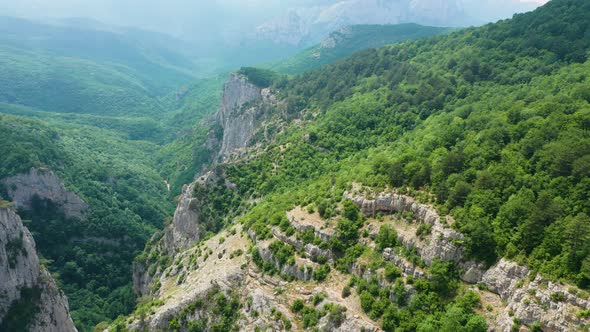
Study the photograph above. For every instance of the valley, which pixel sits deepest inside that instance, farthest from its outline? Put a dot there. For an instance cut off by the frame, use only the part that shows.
(392, 178)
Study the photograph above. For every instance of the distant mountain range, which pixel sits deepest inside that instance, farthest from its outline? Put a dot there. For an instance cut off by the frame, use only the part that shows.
(351, 39)
(305, 26)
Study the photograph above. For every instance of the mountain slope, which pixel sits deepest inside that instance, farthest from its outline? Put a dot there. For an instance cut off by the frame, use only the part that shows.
(78, 70)
(309, 24)
(93, 199)
(348, 40)
(390, 185)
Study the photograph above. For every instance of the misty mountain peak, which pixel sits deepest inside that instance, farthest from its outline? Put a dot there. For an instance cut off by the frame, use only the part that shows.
(309, 24)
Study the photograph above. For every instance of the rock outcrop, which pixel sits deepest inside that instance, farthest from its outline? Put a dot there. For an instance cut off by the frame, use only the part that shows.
(46, 185)
(184, 231)
(237, 115)
(306, 26)
(444, 243)
(24, 280)
(537, 300)
(552, 305)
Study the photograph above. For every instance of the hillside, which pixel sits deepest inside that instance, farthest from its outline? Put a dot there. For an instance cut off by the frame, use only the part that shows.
(101, 132)
(349, 40)
(438, 184)
(79, 70)
(91, 228)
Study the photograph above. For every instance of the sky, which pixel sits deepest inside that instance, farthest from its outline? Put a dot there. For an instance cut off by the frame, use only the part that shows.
(184, 18)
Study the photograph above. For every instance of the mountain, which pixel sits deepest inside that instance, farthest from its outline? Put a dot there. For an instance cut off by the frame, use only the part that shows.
(306, 26)
(351, 39)
(68, 69)
(433, 185)
(100, 133)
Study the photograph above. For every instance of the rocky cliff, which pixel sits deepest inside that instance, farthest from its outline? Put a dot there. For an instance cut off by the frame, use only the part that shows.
(27, 290)
(444, 243)
(527, 297)
(533, 299)
(237, 115)
(46, 185)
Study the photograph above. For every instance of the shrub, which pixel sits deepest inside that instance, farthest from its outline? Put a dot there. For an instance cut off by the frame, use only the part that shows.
(345, 292)
(387, 238)
(297, 305)
(321, 273)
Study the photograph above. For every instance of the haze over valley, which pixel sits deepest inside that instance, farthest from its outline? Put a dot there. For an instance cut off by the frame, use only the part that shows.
(333, 165)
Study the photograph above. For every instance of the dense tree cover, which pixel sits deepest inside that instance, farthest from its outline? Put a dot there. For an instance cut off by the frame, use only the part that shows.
(92, 71)
(347, 41)
(121, 165)
(490, 124)
(498, 134)
(128, 202)
(258, 76)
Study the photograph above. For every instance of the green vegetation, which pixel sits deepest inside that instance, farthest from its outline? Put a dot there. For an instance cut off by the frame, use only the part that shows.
(223, 307)
(90, 71)
(259, 77)
(310, 315)
(117, 153)
(14, 248)
(22, 311)
(283, 253)
(489, 124)
(106, 171)
(494, 123)
(347, 41)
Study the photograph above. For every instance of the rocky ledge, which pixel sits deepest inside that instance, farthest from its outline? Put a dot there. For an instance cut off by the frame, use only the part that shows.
(529, 297)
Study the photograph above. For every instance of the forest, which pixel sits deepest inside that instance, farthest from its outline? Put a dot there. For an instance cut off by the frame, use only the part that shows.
(490, 125)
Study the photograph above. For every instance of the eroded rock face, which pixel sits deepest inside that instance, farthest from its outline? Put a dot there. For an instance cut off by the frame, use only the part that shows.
(20, 269)
(45, 184)
(408, 269)
(236, 118)
(184, 231)
(534, 301)
(444, 243)
(539, 300)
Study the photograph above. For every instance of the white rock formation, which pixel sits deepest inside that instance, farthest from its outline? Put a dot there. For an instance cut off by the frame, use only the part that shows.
(45, 184)
(20, 270)
(237, 120)
(551, 304)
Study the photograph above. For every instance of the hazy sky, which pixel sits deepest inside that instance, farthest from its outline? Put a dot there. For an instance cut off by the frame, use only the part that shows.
(186, 17)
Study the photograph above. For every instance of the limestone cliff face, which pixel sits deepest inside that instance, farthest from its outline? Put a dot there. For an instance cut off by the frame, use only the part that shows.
(21, 273)
(553, 305)
(45, 184)
(184, 231)
(242, 110)
(444, 242)
(538, 300)
(237, 120)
